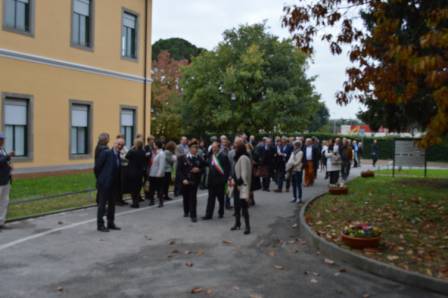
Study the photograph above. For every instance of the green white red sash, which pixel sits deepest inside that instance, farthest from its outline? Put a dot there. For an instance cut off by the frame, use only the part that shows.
(217, 165)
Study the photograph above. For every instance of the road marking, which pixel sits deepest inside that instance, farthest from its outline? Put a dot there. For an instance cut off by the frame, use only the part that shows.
(74, 225)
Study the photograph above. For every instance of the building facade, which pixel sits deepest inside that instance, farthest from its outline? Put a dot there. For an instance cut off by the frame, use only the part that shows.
(69, 70)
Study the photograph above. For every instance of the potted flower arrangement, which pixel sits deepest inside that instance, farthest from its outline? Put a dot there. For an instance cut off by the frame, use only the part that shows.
(368, 174)
(338, 189)
(361, 235)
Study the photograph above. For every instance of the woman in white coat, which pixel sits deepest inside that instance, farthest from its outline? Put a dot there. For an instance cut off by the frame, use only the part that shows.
(157, 174)
(294, 167)
(243, 182)
(333, 162)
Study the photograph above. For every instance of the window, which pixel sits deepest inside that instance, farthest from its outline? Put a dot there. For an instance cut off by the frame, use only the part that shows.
(17, 15)
(16, 126)
(129, 36)
(79, 129)
(128, 125)
(82, 23)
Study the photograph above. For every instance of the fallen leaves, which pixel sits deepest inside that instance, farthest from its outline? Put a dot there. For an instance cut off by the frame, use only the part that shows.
(60, 289)
(197, 290)
(392, 257)
(189, 264)
(227, 242)
(278, 267)
(328, 261)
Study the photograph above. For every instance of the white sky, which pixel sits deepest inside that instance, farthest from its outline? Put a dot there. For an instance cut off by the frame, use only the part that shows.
(202, 22)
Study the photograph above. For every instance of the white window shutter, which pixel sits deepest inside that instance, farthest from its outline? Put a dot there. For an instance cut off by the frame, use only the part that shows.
(127, 118)
(82, 7)
(15, 112)
(80, 115)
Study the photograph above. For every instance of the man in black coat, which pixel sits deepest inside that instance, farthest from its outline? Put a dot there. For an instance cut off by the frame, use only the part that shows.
(266, 154)
(5, 179)
(189, 169)
(219, 172)
(108, 168)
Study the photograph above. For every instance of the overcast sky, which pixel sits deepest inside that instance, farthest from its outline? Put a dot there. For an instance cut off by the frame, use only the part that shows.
(202, 22)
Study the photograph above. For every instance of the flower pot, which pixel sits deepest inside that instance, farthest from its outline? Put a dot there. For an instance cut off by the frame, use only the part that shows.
(368, 174)
(360, 243)
(338, 190)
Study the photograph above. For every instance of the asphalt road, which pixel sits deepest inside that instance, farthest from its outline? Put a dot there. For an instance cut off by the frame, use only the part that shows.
(161, 254)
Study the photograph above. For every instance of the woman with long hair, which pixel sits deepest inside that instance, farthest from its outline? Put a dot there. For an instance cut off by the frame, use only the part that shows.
(243, 179)
(136, 170)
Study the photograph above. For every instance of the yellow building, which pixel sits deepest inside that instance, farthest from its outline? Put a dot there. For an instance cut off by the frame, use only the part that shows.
(69, 70)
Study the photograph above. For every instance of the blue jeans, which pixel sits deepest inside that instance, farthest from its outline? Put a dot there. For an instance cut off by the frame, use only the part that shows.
(297, 184)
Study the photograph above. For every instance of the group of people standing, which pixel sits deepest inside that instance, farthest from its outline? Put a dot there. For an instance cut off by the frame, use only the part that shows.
(150, 167)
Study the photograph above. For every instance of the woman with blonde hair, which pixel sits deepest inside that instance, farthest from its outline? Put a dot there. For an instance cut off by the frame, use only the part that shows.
(136, 170)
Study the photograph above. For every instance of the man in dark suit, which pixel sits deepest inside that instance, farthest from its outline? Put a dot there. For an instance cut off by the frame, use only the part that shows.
(218, 175)
(5, 179)
(266, 153)
(108, 168)
(310, 160)
(189, 169)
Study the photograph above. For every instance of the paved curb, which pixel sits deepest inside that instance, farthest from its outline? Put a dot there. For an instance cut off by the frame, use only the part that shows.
(340, 254)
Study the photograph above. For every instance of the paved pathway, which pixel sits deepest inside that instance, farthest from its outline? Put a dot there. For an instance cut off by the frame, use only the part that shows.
(63, 256)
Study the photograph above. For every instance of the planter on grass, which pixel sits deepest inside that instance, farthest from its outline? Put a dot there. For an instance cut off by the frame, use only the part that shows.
(361, 236)
(338, 190)
(368, 174)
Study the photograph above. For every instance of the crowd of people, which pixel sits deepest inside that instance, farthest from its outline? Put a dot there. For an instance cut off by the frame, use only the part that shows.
(226, 169)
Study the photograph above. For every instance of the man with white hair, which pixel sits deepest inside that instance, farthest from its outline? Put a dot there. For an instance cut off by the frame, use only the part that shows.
(108, 168)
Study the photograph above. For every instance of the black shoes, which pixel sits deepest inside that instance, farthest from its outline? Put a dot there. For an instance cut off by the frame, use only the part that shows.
(103, 229)
(247, 231)
(221, 215)
(206, 218)
(136, 206)
(151, 203)
(194, 219)
(113, 227)
(235, 227)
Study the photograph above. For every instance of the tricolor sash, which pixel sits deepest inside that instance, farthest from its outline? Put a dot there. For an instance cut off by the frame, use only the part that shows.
(217, 165)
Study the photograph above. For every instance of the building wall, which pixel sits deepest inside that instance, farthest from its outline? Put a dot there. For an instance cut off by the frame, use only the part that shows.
(100, 76)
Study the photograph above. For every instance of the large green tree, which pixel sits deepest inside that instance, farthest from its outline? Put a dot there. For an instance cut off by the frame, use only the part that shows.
(179, 49)
(320, 119)
(263, 75)
(399, 52)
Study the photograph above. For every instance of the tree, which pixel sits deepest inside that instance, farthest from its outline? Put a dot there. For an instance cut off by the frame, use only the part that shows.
(399, 54)
(179, 48)
(265, 77)
(166, 118)
(320, 119)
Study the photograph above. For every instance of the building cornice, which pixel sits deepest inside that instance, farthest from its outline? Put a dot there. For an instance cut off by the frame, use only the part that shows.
(72, 66)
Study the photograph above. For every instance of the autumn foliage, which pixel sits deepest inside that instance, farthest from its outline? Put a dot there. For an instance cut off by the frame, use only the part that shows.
(399, 51)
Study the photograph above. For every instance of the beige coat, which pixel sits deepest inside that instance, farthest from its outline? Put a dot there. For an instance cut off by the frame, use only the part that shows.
(295, 161)
(243, 170)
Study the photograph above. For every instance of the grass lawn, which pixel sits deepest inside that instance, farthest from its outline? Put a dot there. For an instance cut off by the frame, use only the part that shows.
(52, 185)
(39, 207)
(412, 212)
(432, 173)
(28, 188)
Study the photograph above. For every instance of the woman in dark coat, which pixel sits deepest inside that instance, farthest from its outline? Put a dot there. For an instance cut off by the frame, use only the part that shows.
(103, 140)
(136, 170)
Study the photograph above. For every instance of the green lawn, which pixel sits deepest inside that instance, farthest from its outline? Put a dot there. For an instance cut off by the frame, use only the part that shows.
(35, 208)
(29, 188)
(53, 185)
(412, 212)
(417, 173)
